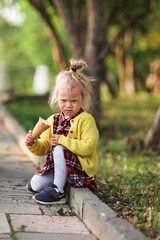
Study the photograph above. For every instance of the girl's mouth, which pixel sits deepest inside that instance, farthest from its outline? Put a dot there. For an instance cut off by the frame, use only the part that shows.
(68, 110)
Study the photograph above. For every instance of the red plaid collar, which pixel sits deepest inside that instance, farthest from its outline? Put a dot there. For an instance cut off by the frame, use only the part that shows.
(63, 118)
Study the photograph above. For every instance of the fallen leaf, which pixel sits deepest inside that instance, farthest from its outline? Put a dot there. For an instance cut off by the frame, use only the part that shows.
(126, 218)
(103, 182)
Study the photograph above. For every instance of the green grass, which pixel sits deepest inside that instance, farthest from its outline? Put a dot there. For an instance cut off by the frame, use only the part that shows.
(129, 175)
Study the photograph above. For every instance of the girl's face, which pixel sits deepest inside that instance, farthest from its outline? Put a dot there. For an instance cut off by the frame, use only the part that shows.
(70, 99)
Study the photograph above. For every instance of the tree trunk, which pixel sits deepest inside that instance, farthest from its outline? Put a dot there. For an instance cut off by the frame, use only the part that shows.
(71, 29)
(153, 135)
(129, 81)
(94, 42)
(120, 64)
(129, 72)
(57, 52)
(125, 64)
(110, 82)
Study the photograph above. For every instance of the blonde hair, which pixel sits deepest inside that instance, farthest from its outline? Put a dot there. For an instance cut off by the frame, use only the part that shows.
(70, 78)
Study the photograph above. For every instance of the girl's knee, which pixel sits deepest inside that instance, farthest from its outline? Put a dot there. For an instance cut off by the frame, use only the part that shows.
(38, 182)
(35, 183)
(58, 150)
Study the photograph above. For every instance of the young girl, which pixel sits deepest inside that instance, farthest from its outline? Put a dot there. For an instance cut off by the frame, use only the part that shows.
(70, 142)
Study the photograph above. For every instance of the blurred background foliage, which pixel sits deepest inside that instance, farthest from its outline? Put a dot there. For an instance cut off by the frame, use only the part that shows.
(25, 45)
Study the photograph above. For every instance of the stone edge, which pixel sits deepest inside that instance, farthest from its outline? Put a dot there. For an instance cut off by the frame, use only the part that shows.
(98, 217)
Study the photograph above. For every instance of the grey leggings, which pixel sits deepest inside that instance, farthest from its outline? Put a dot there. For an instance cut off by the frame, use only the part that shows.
(57, 177)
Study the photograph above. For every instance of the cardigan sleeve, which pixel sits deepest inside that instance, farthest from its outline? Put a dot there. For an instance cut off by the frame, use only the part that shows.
(87, 142)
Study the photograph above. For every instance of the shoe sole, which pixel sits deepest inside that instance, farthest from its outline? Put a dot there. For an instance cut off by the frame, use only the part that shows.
(61, 201)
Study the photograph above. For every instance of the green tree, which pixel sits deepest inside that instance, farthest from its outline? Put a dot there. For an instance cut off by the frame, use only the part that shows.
(92, 28)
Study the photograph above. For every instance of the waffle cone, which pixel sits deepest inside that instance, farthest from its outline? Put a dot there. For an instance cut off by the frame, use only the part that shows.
(40, 127)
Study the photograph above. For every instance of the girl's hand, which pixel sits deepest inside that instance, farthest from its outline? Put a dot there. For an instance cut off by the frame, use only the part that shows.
(28, 139)
(54, 139)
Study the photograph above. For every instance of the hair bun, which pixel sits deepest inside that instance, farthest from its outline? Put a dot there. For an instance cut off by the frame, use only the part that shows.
(77, 64)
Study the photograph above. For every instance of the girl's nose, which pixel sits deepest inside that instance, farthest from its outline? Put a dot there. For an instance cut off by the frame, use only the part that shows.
(68, 103)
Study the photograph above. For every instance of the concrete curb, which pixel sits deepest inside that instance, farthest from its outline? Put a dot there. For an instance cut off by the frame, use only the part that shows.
(98, 217)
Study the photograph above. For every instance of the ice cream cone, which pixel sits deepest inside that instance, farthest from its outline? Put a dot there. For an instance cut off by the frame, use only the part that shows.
(41, 126)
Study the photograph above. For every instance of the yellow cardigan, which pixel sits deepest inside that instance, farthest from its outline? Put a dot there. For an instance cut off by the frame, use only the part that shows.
(81, 140)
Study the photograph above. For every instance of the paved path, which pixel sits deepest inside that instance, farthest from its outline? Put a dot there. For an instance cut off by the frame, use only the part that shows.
(20, 217)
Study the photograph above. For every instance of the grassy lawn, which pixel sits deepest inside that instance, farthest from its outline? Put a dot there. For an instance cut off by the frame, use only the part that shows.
(129, 175)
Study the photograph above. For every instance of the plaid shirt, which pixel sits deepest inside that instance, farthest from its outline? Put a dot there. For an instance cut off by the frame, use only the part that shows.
(76, 173)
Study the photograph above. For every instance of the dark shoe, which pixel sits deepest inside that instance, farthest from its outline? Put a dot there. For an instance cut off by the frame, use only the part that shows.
(29, 188)
(50, 195)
